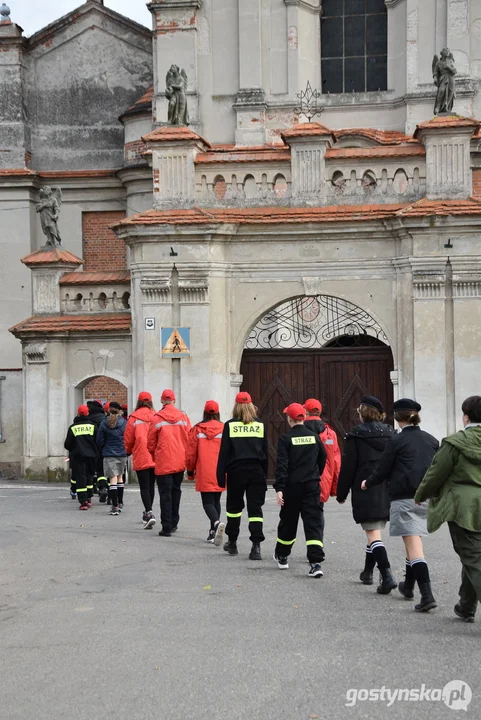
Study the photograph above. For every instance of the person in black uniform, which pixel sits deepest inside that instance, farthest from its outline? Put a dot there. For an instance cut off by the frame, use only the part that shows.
(363, 449)
(243, 461)
(96, 415)
(403, 465)
(301, 458)
(81, 442)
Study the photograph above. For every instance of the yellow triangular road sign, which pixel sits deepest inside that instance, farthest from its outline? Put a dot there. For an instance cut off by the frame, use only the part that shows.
(175, 345)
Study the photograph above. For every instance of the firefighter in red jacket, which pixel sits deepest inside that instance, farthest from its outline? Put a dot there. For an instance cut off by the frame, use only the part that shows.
(201, 460)
(330, 475)
(135, 441)
(167, 443)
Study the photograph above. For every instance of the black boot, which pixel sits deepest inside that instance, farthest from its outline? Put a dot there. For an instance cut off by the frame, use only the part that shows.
(255, 553)
(406, 587)
(467, 615)
(427, 598)
(369, 564)
(387, 583)
(231, 547)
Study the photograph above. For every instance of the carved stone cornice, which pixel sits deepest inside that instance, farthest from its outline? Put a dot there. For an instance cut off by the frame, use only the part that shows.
(174, 4)
(429, 278)
(156, 290)
(194, 291)
(250, 98)
(313, 6)
(35, 353)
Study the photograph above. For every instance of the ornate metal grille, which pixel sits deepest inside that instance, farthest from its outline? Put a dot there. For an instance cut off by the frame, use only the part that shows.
(314, 322)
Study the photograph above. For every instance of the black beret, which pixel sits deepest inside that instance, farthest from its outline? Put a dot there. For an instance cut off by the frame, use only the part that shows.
(115, 405)
(406, 404)
(373, 402)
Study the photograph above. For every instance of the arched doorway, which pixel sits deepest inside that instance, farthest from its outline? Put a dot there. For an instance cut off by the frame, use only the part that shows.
(100, 387)
(323, 347)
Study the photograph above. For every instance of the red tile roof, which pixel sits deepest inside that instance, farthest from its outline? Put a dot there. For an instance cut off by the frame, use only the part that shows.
(383, 137)
(47, 256)
(238, 155)
(447, 121)
(308, 130)
(382, 151)
(332, 213)
(173, 132)
(106, 322)
(122, 277)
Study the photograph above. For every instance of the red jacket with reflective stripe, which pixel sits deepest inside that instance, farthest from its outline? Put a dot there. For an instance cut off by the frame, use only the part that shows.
(330, 476)
(167, 440)
(202, 454)
(135, 438)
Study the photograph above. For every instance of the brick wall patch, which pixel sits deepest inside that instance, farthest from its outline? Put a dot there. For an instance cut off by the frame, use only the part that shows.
(106, 389)
(102, 249)
(477, 183)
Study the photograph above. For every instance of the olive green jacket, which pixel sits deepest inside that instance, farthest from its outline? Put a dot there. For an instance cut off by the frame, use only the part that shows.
(453, 482)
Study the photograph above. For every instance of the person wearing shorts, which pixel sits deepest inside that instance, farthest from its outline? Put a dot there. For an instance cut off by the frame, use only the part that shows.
(110, 440)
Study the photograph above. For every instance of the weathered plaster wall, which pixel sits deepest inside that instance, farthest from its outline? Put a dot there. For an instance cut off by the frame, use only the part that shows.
(11, 420)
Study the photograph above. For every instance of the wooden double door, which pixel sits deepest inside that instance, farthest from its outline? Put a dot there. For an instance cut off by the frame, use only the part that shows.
(339, 377)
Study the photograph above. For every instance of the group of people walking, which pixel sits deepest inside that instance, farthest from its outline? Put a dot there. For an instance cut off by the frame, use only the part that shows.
(389, 475)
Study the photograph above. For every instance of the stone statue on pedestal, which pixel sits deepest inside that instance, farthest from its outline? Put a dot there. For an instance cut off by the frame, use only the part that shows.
(444, 71)
(176, 88)
(49, 208)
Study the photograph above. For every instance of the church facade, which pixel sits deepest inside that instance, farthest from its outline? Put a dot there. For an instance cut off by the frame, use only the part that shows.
(313, 231)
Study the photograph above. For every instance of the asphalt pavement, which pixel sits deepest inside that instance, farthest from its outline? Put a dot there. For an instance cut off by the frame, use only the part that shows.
(102, 619)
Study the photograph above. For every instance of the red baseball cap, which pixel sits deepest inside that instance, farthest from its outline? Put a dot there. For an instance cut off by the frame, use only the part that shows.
(145, 396)
(211, 407)
(106, 406)
(243, 398)
(313, 404)
(82, 410)
(295, 411)
(168, 395)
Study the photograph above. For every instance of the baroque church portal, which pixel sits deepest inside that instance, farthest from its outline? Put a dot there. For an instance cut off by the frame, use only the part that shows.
(266, 178)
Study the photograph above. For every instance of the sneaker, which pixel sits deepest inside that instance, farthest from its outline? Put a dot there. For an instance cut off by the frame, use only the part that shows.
(231, 547)
(149, 521)
(219, 533)
(282, 563)
(145, 517)
(164, 533)
(467, 615)
(89, 502)
(103, 494)
(73, 495)
(84, 507)
(121, 506)
(315, 571)
(114, 511)
(211, 537)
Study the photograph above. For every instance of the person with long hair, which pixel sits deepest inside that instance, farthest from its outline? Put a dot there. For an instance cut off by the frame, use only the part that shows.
(242, 463)
(135, 440)
(201, 460)
(402, 466)
(110, 439)
(364, 446)
(453, 484)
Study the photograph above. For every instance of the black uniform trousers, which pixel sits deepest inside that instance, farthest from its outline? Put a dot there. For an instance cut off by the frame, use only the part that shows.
(170, 492)
(146, 480)
(248, 479)
(82, 475)
(301, 499)
(467, 544)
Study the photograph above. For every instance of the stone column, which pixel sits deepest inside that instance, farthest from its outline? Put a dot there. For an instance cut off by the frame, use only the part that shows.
(466, 279)
(308, 143)
(48, 265)
(304, 44)
(173, 156)
(430, 343)
(448, 156)
(36, 427)
(458, 34)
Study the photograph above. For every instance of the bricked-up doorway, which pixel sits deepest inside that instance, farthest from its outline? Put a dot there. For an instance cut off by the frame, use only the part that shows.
(105, 389)
(354, 361)
(102, 250)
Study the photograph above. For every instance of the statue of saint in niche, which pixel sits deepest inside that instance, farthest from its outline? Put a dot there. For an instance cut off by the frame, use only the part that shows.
(49, 208)
(176, 89)
(444, 71)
